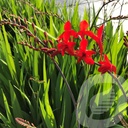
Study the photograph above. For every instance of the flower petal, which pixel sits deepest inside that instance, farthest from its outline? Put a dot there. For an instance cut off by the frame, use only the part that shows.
(79, 59)
(60, 46)
(67, 26)
(106, 58)
(83, 25)
(100, 44)
(96, 38)
(114, 68)
(106, 66)
(83, 44)
(89, 60)
(102, 70)
(90, 52)
(66, 36)
(71, 44)
(60, 37)
(73, 33)
(100, 31)
(92, 35)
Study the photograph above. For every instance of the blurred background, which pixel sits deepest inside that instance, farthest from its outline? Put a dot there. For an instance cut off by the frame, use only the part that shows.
(114, 8)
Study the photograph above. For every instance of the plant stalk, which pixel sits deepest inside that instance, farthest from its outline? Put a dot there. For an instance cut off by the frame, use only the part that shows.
(68, 87)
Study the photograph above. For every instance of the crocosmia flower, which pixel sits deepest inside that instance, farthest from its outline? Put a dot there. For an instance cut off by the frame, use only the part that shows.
(83, 32)
(84, 54)
(66, 47)
(68, 32)
(83, 29)
(106, 66)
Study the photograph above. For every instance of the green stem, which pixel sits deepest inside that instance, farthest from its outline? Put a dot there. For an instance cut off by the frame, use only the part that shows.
(120, 86)
(66, 82)
(118, 82)
(68, 87)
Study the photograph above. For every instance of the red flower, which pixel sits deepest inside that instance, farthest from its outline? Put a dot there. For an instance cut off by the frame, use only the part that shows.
(97, 37)
(84, 54)
(68, 32)
(106, 66)
(64, 47)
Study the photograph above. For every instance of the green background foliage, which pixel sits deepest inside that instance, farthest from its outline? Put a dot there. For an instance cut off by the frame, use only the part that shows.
(31, 87)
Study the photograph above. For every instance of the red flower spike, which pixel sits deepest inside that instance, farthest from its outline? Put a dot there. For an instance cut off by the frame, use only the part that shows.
(106, 66)
(65, 36)
(84, 54)
(64, 47)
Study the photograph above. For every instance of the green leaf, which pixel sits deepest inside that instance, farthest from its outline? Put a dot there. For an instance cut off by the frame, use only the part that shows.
(7, 109)
(7, 52)
(75, 17)
(117, 126)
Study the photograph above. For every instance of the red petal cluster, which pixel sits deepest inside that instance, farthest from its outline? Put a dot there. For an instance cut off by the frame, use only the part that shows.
(68, 32)
(106, 66)
(83, 32)
(66, 45)
(84, 54)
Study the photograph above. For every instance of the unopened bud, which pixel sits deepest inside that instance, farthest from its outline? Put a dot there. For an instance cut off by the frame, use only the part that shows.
(33, 25)
(25, 21)
(51, 50)
(44, 49)
(126, 44)
(29, 34)
(23, 27)
(46, 36)
(50, 41)
(19, 20)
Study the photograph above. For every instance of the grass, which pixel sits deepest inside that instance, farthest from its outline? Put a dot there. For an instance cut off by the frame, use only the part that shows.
(31, 86)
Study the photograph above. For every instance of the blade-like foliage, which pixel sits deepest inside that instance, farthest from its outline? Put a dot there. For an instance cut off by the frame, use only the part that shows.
(32, 87)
